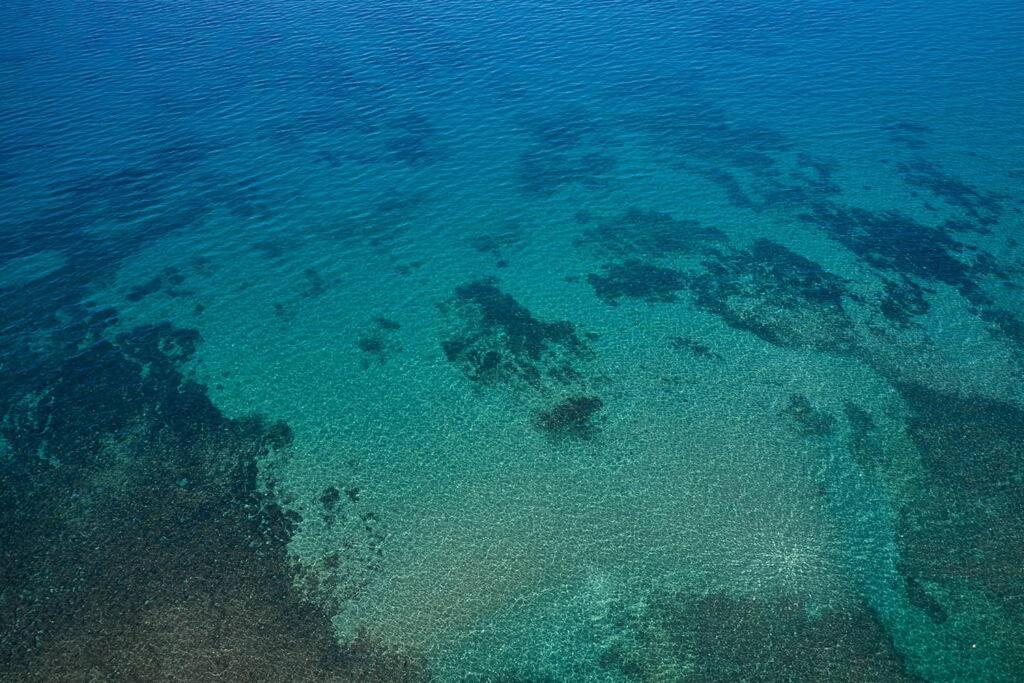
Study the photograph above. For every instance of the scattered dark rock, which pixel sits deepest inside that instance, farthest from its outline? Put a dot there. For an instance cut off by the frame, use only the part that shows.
(919, 596)
(497, 242)
(330, 498)
(776, 294)
(808, 420)
(413, 140)
(908, 134)
(902, 301)
(964, 524)
(583, 217)
(274, 247)
(864, 447)
(313, 284)
(378, 344)
(691, 345)
(893, 242)
(573, 418)
(639, 233)
(148, 287)
(387, 324)
(544, 171)
(724, 637)
(167, 281)
(496, 340)
(635, 279)
(137, 541)
(984, 208)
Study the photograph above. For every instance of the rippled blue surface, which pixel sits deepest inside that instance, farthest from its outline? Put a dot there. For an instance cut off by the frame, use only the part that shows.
(590, 341)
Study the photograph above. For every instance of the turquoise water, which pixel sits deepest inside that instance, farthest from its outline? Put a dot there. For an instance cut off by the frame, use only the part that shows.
(512, 341)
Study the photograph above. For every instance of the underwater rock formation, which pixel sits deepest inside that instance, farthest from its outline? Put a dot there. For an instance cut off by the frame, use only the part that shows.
(806, 419)
(648, 234)
(544, 171)
(136, 539)
(377, 344)
(494, 339)
(982, 208)
(572, 418)
(723, 637)
(776, 294)
(635, 279)
(965, 524)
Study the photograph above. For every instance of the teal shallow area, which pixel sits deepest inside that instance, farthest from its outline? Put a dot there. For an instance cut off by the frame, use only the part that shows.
(512, 341)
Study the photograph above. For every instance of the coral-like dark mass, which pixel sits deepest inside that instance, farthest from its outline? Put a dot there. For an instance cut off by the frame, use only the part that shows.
(902, 301)
(808, 420)
(721, 637)
(890, 241)
(984, 208)
(377, 344)
(497, 241)
(649, 234)
(544, 171)
(921, 254)
(136, 542)
(694, 347)
(966, 524)
(780, 296)
(573, 418)
(635, 279)
(496, 340)
(168, 281)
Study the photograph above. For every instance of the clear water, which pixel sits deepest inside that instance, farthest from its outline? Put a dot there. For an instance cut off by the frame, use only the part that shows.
(614, 341)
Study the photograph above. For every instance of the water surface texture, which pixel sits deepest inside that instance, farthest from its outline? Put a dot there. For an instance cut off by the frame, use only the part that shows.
(512, 341)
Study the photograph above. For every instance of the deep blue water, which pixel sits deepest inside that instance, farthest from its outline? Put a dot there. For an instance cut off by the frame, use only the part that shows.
(512, 341)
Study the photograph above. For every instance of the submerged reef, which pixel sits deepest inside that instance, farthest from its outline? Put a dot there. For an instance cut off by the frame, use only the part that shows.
(498, 241)
(694, 347)
(919, 255)
(380, 223)
(902, 301)
(635, 279)
(95, 222)
(572, 418)
(756, 167)
(724, 637)
(138, 540)
(494, 339)
(806, 419)
(776, 294)
(891, 241)
(983, 208)
(867, 451)
(354, 537)
(692, 127)
(563, 150)
(544, 171)
(648, 234)
(561, 129)
(168, 281)
(964, 527)
(766, 289)
(378, 344)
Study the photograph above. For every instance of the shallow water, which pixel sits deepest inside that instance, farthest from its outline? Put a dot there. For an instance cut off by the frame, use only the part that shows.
(589, 341)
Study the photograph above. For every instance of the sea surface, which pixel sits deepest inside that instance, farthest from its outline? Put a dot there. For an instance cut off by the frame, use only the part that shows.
(512, 341)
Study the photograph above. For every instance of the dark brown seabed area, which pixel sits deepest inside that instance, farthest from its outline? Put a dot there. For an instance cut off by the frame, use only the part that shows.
(150, 552)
